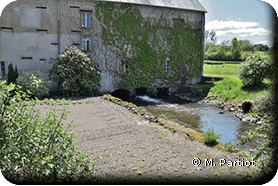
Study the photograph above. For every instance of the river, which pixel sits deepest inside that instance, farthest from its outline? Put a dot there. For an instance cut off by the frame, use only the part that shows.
(199, 116)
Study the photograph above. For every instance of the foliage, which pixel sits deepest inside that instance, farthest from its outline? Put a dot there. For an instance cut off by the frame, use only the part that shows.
(211, 137)
(35, 82)
(267, 164)
(231, 50)
(246, 45)
(261, 47)
(37, 149)
(12, 74)
(263, 103)
(75, 74)
(254, 69)
(144, 45)
(210, 36)
(230, 147)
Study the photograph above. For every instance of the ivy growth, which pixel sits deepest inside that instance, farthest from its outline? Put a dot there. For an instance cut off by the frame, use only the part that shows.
(144, 45)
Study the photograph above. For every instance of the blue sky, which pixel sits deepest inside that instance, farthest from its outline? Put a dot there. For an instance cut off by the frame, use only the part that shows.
(244, 19)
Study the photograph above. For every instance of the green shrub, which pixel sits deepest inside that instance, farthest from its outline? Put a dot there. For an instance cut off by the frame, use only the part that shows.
(75, 74)
(264, 103)
(37, 149)
(265, 151)
(211, 137)
(12, 74)
(254, 69)
(35, 82)
(230, 147)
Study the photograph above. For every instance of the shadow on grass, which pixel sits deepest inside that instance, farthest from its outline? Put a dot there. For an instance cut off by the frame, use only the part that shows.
(256, 88)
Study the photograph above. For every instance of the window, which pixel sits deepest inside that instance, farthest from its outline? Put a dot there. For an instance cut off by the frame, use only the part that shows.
(178, 21)
(86, 43)
(125, 65)
(167, 65)
(85, 20)
(3, 69)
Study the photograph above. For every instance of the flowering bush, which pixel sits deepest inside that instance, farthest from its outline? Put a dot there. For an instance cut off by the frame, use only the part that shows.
(35, 82)
(75, 74)
(254, 69)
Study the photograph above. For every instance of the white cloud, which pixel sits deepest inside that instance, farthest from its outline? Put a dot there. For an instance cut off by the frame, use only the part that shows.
(230, 24)
(245, 32)
(232, 28)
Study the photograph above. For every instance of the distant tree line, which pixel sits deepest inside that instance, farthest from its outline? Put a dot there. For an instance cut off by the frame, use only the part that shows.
(235, 50)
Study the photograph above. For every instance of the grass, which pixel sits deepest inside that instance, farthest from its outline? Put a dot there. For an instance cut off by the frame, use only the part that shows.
(211, 138)
(231, 87)
(223, 70)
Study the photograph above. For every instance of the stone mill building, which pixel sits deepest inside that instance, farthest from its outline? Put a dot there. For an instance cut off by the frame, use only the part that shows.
(136, 43)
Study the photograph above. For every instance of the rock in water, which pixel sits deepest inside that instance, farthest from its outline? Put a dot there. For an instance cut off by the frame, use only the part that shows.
(246, 106)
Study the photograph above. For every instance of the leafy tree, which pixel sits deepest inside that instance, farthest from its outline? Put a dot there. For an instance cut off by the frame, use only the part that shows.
(210, 36)
(12, 74)
(245, 45)
(235, 51)
(261, 47)
(16, 72)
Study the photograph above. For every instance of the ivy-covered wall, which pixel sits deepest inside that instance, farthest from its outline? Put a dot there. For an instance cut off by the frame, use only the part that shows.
(143, 38)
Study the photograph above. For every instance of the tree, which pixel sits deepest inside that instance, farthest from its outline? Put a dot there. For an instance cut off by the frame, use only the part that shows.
(245, 45)
(16, 72)
(210, 36)
(261, 47)
(12, 74)
(235, 51)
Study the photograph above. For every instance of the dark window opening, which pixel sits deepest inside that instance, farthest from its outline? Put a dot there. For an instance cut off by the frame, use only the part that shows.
(167, 65)
(41, 7)
(125, 65)
(162, 91)
(86, 44)
(141, 91)
(121, 93)
(3, 68)
(74, 7)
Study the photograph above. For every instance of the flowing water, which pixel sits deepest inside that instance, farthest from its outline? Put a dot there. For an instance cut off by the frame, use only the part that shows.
(199, 116)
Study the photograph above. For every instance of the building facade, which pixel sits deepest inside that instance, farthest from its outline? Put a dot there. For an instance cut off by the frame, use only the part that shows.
(33, 31)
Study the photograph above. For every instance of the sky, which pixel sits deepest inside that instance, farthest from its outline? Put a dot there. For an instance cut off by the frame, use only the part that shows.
(251, 20)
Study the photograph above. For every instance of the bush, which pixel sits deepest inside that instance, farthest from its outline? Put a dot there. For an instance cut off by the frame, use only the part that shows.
(37, 149)
(211, 138)
(12, 74)
(254, 69)
(75, 74)
(264, 103)
(35, 82)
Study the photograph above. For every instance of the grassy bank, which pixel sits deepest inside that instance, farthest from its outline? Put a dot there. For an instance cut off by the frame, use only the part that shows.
(231, 88)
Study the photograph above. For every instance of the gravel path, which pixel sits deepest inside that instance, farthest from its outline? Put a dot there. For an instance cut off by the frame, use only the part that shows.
(110, 133)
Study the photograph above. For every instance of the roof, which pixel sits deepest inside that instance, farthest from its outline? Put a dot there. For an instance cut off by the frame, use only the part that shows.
(177, 4)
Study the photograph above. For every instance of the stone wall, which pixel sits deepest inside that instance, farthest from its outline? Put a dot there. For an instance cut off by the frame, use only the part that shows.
(29, 34)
